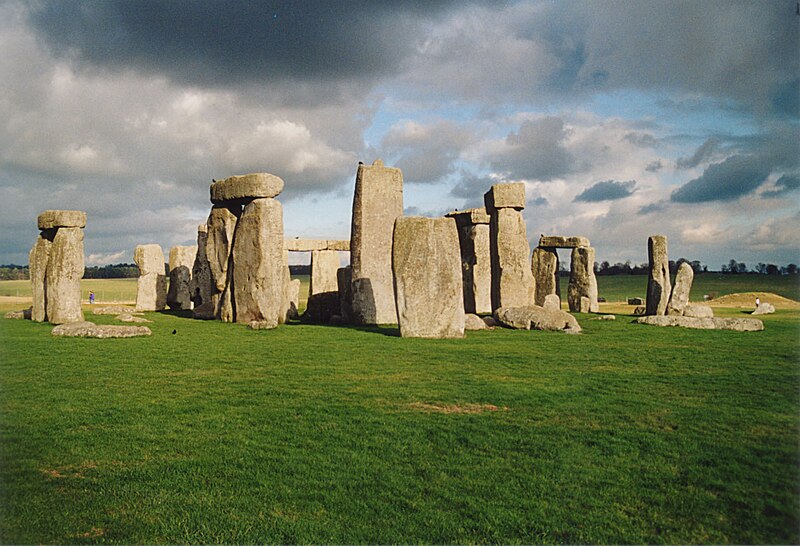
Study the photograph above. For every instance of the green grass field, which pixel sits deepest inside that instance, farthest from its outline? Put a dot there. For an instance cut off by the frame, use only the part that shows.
(314, 434)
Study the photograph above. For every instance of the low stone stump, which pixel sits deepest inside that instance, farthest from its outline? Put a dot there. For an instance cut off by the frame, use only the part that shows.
(474, 322)
(714, 323)
(24, 314)
(533, 317)
(90, 329)
(698, 311)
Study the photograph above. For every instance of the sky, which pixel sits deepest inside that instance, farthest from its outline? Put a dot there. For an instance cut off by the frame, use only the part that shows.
(624, 119)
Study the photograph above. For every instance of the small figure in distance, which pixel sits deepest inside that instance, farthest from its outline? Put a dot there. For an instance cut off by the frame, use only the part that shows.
(91, 298)
(758, 301)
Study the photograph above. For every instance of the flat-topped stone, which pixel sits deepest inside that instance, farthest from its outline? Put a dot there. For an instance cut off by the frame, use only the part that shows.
(470, 216)
(500, 196)
(552, 241)
(90, 329)
(50, 219)
(245, 186)
(707, 323)
(309, 245)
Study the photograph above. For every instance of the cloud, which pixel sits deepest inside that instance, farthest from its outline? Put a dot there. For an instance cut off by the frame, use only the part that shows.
(607, 190)
(654, 166)
(785, 184)
(703, 153)
(536, 151)
(645, 140)
(736, 176)
(652, 207)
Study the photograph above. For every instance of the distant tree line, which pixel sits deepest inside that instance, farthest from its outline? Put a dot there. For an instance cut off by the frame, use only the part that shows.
(734, 268)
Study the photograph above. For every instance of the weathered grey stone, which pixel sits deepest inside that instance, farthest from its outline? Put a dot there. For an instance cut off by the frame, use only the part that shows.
(307, 245)
(658, 282)
(63, 277)
(544, 268)
(377, 203)
(427, 276)
(549, 241)
(245, 187)
(263, 324)
(606, 317)
(582, 282)
(490, 322)
(294, 299)
(50, 219)
(635, 301)
(286, 280)
(202, 286)
(680, 291)
(89, 329)
(258, 264)
(512, 280)
(219, 244)
(737, 324)
(181, 260)
(698, 311)
(505, 196)
(37, 267)
(552, 301)
(151, 286)
(474, 322)
(127, 317)
(24, 314)
(323, 294)
(344, 281)
(114, 310)
(533, 317)
(320, 308)
(476, 261)
(764, 308)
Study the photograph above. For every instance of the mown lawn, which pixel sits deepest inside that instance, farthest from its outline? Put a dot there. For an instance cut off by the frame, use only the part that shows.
(623, 434)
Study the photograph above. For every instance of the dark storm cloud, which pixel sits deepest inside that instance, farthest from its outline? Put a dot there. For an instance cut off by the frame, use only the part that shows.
(535, 152)
(785, 184)
(226, 43)
(607, 190)
(736, 176)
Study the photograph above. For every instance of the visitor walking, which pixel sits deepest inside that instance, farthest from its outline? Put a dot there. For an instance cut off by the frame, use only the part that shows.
(91, 298)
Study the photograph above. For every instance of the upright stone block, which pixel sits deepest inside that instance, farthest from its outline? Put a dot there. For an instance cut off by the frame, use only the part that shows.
(344, 280)
(323, 293)
(219, 244)
(680, 292)
(37, 266)
(502, 196)
(258, 267)
(426, 265)
(476, 262)
(544, 268)
(63, 277)
(181, 260)
(512, 281)
(202, 286)
(658, 282)
(151, 286)
(377, 203)
(582, 289)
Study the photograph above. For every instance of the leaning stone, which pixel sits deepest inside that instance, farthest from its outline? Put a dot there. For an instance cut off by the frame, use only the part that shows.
(37, 267)
(245, 187)
(533, 317)
(512, 280)
(582, 282)
(50, 219)
(426, 265)
(698, 311)
(474, 322)
(63, 278)
(151, 286)
(680, 292)
(563, 242)
(658, 282)
(181, 260)
(552, 301)
(89, 329)
(736, 324)
(377, 203)
(127, 317)
(258, 264)
(764, 308)
(505, 196)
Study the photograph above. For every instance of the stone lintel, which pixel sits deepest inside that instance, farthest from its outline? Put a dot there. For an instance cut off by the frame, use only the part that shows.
(245, 187)
(563, 242)
(307, 245)
(469, 216)
(50, 219)
(502, 196)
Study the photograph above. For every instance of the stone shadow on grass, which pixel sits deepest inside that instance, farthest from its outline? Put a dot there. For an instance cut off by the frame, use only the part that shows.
(385, 329)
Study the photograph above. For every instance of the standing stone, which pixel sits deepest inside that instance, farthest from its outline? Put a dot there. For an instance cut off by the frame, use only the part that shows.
(344, 280)
(294, 299)
(63, 277)
(323, 293)
(426, 266)
(512, 280)
(658, 283)
(288, 295)
(37, 266)
(377, 203)
(258, 266)
(476, 262)
(219, 244)
(680, 292)
(181, 260)
(151, 286)
(544, 268)
(552, 301)
(582, 282)
(202, 285)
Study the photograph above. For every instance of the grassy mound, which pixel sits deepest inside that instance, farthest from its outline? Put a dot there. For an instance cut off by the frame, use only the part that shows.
(748, 299)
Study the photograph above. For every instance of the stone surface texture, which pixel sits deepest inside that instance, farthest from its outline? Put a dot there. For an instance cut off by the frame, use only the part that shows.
(63, 278)
(151, 286)
(512, 280)
(544, 268)
(344, 281)
(377, 203)
(679, 298)
(426, 265)
(552, 301)
(202, 286)
(50, 219)
(476, 259)
(474, 322)
(294, 299)
(533, 317)
(246, 187)
(659, 286)
(307, 245)
(549, 241)
(698, 311)
(89, 329)
(764, 308)
(258, 263)
(181, 260)
(736, 324)
(582, 281)
(37, 267)
(511, 195)
(221, 227)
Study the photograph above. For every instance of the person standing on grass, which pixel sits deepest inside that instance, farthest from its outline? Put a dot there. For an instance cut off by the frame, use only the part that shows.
(758, 302)
(91, 298)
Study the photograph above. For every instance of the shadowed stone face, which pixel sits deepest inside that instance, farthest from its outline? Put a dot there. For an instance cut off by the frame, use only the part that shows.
(512, 281)
(181, 260)
(37, 265)
(476, 261)
(427, 275)
(63, 278)
(658, 282)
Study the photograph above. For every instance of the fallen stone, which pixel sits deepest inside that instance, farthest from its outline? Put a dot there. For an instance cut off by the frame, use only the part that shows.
(533, 317)
(263, 324)
(24, 314)
(764, 308)
(698, 311)
(562, 242)
(658, 283)
(736, 324)
(635, 301)
(426, 265)
(63, 277)
(511, 195)
(127, 317)
(50, 219)
(680, 291)
(89, 329)
(641, 310)
(490, 321)
(115, 310)
(606, 317)
(205, 311)
(474, 322)
(246, 187)
(181, 261)
(552, 301)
